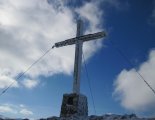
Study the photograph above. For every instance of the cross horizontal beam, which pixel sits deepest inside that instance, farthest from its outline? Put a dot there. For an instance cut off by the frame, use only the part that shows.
(82, 38)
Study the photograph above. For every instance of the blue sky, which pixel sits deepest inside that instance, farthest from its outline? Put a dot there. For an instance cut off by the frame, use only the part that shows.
(29, 28)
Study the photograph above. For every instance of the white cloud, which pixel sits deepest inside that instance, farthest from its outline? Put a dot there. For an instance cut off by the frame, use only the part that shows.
(22, 106)
(132, 92)
(29, 27)
(18, 110)
(30, 83)
(92, 13)
(7, 109)
(5, 81)
(26, 112)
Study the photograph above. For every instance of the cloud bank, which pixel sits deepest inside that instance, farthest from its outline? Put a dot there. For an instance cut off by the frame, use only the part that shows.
(132, 92)
(30, 27)
(30, 83)
(20, 110)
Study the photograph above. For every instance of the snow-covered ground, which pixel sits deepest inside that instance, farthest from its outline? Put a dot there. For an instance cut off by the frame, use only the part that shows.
(104, 117)
(92, 117)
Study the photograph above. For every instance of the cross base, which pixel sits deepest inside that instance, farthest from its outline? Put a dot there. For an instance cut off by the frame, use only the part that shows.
(74, 105)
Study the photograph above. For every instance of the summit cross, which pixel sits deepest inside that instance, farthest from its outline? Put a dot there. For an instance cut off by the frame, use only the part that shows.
(78, 41)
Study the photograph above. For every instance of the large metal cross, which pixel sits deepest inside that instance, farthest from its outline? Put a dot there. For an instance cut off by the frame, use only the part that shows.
(78, 41)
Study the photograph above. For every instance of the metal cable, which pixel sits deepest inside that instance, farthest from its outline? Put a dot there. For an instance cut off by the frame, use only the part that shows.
(5, 89)
(89, 83)
(128, 61)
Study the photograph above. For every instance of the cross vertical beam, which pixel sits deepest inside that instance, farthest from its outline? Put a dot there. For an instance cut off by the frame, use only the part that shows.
(78, 59)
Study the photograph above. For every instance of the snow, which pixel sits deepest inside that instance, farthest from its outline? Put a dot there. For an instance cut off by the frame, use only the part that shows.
(104, 117)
